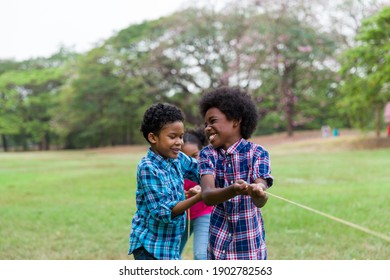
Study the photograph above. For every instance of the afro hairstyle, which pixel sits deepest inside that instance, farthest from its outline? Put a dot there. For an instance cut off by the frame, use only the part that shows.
(236, 104)
(157, 116)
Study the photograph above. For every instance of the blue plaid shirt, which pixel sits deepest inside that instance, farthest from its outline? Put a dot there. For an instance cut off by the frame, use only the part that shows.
(160, 186)
(237, 228)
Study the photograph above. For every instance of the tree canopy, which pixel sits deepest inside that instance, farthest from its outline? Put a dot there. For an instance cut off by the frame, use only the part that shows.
(365, 87)
(278, 51)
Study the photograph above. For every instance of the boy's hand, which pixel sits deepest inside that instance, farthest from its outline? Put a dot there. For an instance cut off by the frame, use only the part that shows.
(257, 190)
(258, 193)
(240, 187)
(193, 191)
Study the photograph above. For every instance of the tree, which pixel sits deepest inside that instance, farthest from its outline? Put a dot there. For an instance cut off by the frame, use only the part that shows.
(298, 56)
(365, 71)
(28, 95)
(26, 100)
(200, 48)
(280, 51)
(111, 87)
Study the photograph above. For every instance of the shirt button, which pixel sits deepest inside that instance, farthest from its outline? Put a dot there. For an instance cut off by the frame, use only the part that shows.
(231, 182)
(229, 165)
(223, 251)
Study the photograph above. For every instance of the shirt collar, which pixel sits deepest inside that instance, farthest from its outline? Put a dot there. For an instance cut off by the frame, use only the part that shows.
(235, 148)
(158, 159)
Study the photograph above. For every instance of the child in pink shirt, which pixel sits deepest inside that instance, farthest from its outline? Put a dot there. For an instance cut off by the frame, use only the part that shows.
(194, 141)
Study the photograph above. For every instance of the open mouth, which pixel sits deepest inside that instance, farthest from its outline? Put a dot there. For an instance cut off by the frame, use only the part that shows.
(211, 137)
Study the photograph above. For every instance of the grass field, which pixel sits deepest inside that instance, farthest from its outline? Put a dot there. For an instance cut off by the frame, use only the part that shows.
(79, 204)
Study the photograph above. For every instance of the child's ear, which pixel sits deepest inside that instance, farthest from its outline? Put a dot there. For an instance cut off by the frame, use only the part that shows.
(152, 138)
(236, 123)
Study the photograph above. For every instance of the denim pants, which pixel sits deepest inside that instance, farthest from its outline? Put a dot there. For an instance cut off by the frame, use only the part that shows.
(141, 254)
(200, 228)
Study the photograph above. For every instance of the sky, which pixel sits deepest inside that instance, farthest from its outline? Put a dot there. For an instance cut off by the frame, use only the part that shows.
(34, 28)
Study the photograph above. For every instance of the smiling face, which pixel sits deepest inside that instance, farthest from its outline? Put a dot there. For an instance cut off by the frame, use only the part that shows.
(220, 131)
(191, 149)
(169, 140)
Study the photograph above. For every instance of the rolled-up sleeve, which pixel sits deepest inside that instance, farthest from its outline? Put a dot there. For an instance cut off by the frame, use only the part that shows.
(262, 167)
(206, 165)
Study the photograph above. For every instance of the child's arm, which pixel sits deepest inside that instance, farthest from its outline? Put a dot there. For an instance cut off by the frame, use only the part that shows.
(212, 195)
(185, 204)
(257, 191)
(190, 167)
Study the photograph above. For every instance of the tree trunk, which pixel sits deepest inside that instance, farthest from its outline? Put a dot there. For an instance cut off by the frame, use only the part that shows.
(24, 142)
(377, 121)
(47, 141)
(5, 143)
(287, 85)
(290, 119)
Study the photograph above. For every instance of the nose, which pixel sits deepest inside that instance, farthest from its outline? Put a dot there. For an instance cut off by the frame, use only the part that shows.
(180, 141)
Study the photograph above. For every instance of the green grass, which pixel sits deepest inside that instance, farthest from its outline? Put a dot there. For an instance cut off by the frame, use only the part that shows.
(66, 205)
(351, 185)
(79, 204)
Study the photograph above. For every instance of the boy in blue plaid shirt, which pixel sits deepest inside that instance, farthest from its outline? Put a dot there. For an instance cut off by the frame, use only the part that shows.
(235, 174)
(159, 221)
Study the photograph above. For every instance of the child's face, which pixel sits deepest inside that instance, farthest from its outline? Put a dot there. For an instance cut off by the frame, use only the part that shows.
(169, 141)
(221, 131)
(191, 149)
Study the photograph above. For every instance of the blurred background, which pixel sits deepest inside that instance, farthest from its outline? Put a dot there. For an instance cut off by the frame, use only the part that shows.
(307, 64)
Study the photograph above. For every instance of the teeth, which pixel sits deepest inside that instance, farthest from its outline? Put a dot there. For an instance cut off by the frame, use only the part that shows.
(211, 138)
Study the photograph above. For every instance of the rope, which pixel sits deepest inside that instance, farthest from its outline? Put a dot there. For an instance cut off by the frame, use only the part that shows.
(188, 223)
(366, 230)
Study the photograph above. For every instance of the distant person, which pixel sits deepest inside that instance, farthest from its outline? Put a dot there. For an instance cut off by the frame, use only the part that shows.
(159, 222)
(387, 117)
(336, 132)
(325, 129)
(194, 141)
(235, 174)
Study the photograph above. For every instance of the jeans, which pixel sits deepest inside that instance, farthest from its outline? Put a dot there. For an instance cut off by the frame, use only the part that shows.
(200, 228)
(141, 254)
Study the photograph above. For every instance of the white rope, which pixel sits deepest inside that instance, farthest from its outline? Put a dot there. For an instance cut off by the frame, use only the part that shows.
(366, 230)
(188, 224)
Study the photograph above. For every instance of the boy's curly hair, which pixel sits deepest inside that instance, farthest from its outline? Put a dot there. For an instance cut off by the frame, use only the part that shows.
(236, 104)
(196, 136)
(159, 115)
